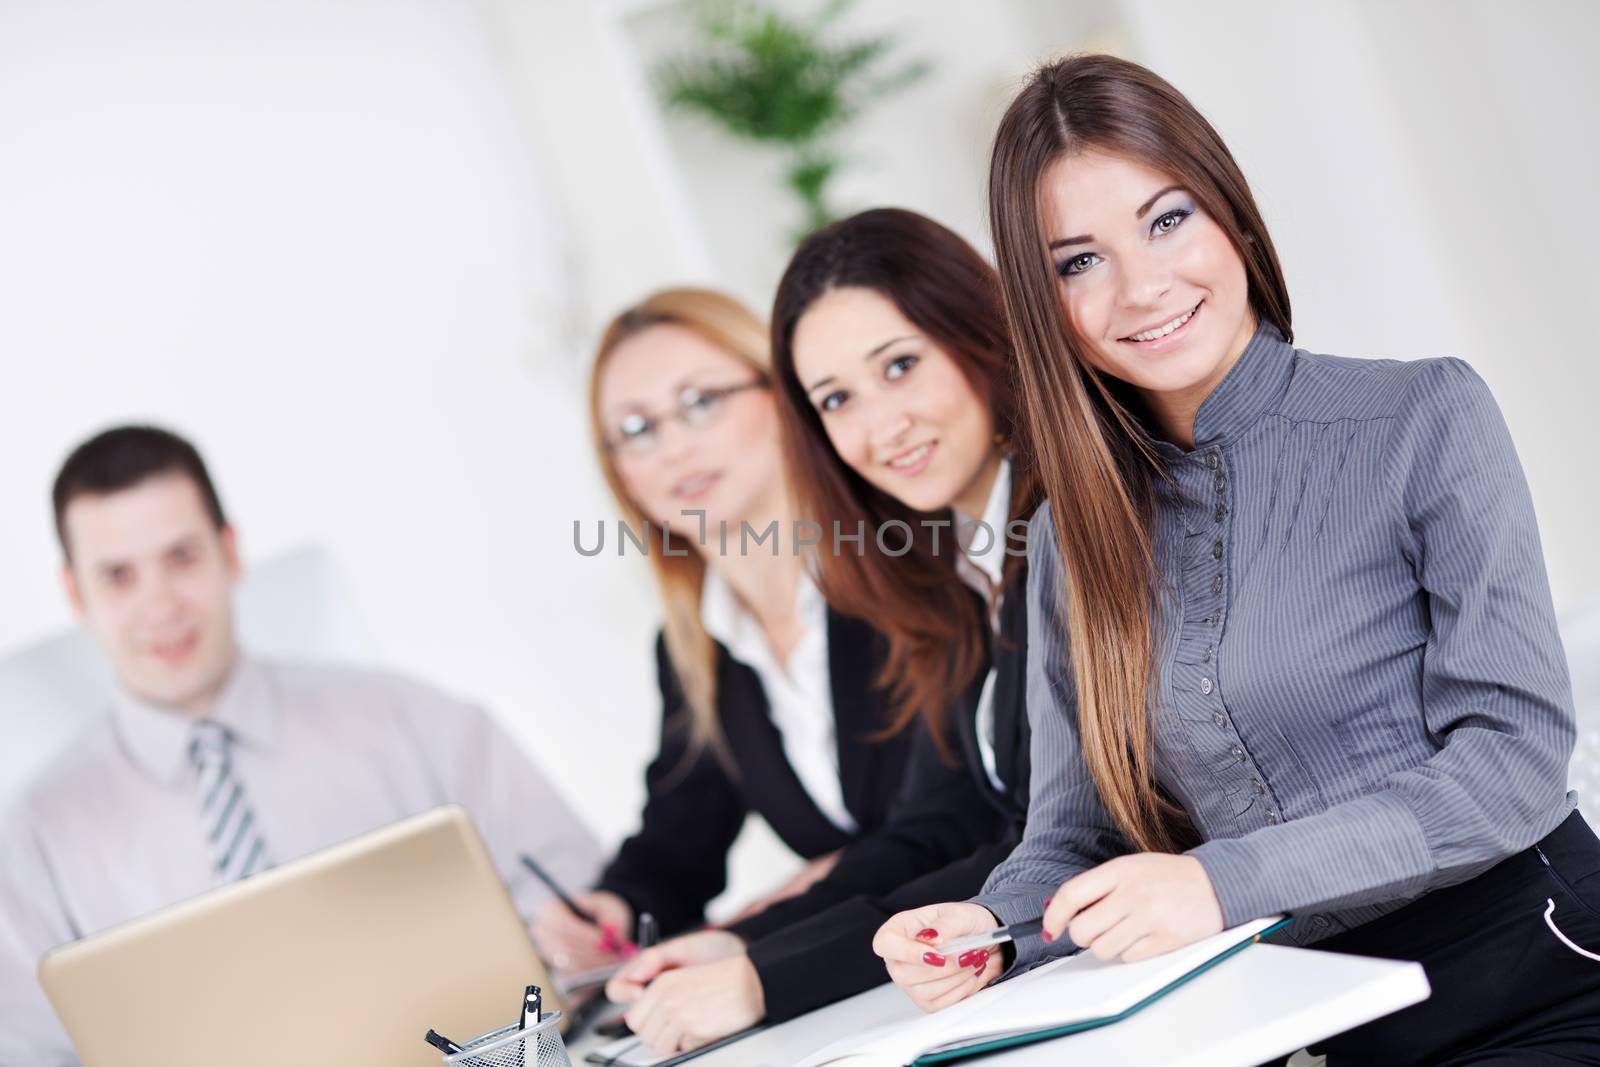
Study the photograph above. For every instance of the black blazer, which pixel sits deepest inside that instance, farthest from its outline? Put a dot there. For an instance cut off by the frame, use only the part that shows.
(1008, 655)
(677, 861)
(817, 948)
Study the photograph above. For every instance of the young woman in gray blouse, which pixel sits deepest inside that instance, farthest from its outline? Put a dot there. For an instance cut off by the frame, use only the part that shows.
(1292, 641)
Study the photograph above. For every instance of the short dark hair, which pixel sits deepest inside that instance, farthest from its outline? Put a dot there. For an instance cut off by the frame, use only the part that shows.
(122, 457)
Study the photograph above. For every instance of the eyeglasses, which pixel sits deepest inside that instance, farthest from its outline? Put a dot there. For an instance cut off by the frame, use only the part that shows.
(639, 433)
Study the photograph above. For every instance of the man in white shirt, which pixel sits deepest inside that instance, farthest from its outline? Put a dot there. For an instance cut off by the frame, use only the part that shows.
(210, 766)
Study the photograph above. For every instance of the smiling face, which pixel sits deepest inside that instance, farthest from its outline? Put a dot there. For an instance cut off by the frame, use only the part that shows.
(151, 576)
(728, 463)
(897, 407)
(1150, 281)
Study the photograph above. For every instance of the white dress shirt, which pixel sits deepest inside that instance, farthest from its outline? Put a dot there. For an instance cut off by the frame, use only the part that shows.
(982, 563)
(799, 691)
(111, 828)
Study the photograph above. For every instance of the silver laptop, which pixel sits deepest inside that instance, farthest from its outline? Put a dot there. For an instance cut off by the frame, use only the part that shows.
(344, 957)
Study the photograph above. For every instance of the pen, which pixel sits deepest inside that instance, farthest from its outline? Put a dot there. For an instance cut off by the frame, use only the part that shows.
(648, 932)
(440, 1042)
(561, 894)
(998, 936)
(532, 1007)
(612, 941)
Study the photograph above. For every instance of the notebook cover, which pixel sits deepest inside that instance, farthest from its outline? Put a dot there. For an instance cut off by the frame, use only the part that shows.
(1033, 1036)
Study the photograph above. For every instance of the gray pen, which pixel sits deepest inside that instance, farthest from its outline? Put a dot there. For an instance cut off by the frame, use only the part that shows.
(998, 936)
(648, 931)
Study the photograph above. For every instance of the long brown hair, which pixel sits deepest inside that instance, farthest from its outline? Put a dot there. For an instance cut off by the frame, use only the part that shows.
(679, 567)
(935, 628)
(1093, 465)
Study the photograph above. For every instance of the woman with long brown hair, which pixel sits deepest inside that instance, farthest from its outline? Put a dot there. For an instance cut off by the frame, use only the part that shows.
(770, 699)
(1292, 646)
(895, 386)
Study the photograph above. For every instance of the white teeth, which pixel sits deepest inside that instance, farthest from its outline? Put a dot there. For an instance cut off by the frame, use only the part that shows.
(1161, 331)
(912, 458)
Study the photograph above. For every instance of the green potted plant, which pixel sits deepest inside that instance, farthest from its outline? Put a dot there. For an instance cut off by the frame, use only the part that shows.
(784, 82)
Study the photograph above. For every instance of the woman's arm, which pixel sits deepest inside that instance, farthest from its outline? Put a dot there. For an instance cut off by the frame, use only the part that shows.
(838, 942)
(1494, 686)
(677, 861)
(939, 815)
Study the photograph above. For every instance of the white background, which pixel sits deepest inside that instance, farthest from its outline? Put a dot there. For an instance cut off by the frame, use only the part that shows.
(358, 250)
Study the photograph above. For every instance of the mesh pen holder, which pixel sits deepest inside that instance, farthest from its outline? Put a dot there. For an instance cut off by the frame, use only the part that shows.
(512, 1046)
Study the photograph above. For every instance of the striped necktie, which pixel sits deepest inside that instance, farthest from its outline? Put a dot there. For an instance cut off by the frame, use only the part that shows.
(237, 846)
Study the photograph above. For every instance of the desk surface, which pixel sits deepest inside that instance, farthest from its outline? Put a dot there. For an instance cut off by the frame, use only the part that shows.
(1266, 1002)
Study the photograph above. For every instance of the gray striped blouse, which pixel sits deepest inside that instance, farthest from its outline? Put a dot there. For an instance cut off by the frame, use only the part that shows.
(1362, 695)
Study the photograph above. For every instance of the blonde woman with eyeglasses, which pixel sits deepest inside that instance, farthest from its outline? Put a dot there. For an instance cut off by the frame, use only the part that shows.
(770, 699)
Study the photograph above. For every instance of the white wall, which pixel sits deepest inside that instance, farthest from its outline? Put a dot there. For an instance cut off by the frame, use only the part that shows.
(315, 237)
(358, 250)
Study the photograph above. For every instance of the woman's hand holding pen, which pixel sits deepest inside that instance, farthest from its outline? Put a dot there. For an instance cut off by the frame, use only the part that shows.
(690, 950)
(568, 943)
(908, 945)
(690, 991)
(1135, 907)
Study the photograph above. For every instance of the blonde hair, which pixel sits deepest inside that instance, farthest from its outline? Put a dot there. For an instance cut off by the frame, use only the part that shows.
(728, 324)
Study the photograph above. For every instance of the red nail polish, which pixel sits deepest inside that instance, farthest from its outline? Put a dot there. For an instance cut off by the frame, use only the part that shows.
(930, 934)
(933, 959)
(1048, 936)
(977, 957)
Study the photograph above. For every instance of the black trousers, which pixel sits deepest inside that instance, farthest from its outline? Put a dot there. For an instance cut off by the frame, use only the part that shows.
(1506, 991)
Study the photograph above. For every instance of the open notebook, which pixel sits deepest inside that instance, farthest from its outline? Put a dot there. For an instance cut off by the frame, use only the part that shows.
(1057, 998)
